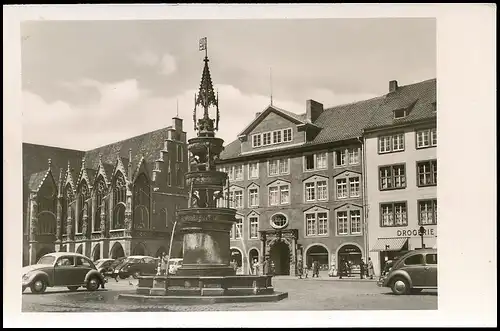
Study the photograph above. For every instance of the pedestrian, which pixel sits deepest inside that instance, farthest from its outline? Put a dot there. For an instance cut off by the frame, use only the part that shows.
(315, 267)
(234, 265)
(342, 268)
(272, 268)
(163, 263)
(265, 266)
(361, 269)
(371, 271)
(299, 268)
(305, 269)
(349, 268)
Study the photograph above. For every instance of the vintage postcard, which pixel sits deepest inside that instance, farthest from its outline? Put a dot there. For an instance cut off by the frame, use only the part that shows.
(211, 159)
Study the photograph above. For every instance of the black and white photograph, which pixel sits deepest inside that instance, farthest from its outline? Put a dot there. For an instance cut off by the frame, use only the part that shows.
(238, 165)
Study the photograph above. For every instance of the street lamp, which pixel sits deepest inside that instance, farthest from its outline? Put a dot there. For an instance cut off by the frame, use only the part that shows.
(421, 232)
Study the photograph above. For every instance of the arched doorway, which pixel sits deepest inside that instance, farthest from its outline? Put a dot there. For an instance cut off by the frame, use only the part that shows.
(96, 255)
(237, 256)
(280, 256)
(139, 249)
(318, 253)
(117, 251)
(79, 249)
(352, 254)
(42, 251)
(253, 255)
(160, 251)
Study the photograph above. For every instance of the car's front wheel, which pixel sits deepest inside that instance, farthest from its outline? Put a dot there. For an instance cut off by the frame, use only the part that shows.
(73, 288)
(38, 286)
(400, 286)
(93, 283)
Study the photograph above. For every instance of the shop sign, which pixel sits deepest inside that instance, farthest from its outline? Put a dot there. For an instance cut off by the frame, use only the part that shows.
(415, 233)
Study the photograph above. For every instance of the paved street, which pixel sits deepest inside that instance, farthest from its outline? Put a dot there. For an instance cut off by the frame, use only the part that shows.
(305, 294)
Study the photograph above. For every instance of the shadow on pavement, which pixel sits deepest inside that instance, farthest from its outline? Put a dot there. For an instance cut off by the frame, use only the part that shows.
(413, 294)
(65, 291)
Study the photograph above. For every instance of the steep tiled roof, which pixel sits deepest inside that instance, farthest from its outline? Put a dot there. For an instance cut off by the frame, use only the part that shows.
(271, 108)
(146, 145)
(350, 120)
(419, 98)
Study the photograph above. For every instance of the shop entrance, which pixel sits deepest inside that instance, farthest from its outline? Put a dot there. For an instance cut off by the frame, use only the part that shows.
(351, 254)
(280, 257)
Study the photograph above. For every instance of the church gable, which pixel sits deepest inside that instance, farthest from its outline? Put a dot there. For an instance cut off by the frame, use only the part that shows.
(141, 168)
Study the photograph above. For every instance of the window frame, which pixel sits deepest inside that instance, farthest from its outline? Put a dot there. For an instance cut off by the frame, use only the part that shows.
(249, 170)
(315, 180)
(434, 211)
(391, 147)
(279, 161)
(393, 203)
(348, 211)
(348, 187)
(278, 187)
(315, 161)
(250, 195)
(316, 219)
(429, 132)
(433, 172)
(274, 226)
(392, 166)
(250, 217)
(281, 133)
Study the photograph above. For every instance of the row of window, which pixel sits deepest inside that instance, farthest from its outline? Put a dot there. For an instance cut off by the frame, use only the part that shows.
(394, 176)
(315, 190)
(315, 224)
(281, 166)
(272, 137)
(396, 142)
(393, 214)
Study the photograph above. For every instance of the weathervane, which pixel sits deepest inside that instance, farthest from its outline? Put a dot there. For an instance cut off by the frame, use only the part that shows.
(205, 98)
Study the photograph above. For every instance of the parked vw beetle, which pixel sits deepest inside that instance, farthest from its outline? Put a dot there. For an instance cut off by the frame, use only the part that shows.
(71, 270)
(413, 272)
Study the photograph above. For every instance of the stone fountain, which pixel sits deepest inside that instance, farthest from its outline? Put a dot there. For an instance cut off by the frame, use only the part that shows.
(206, 275)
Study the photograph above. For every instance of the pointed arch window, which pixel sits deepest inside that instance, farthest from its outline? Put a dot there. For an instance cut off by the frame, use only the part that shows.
(141, 200)
(180, 178)
(67, 201)
(119, 196)
(100, 204)
(47, 206)
(84, 203)
(164, 217)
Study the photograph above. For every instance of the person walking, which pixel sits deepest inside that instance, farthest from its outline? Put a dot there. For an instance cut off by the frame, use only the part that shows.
(361, 269)
(305, 269)
(342, 268)
(299, 268)
(371, 271)
(315, 267)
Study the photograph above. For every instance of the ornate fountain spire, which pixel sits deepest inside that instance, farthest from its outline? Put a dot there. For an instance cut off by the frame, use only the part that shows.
(206, 98)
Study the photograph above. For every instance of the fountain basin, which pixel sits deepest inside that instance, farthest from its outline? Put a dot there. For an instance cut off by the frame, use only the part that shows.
(204, 289)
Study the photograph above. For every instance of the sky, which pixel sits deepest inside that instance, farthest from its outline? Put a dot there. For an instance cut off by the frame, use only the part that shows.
(86, 84)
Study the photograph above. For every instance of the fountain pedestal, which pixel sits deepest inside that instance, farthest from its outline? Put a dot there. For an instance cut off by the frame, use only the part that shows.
(206, 275)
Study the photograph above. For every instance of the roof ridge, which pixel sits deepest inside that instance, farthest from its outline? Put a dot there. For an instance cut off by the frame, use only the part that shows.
(130, 138)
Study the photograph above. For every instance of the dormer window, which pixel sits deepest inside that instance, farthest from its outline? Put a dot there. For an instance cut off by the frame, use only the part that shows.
(399, 113)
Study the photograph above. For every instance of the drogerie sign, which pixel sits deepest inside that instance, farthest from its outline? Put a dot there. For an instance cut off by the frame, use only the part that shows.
(414, 233)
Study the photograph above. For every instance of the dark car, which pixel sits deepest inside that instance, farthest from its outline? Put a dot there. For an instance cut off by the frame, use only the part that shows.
(413, 272)
(71, 270)
(105, 266)
(136, 266)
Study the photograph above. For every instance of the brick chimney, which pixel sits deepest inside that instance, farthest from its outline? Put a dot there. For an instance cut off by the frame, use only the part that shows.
(313, 110)
(393, 86)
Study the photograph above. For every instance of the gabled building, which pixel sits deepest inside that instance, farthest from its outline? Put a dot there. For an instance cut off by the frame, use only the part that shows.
(401, 171)
(296, 182)
(112, 201)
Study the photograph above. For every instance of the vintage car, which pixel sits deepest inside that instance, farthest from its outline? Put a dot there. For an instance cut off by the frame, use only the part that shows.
(104, 266)
(71, 270)
(136, 266)
(412, 272)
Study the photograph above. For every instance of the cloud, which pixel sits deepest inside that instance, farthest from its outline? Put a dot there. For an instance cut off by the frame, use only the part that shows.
(166, 64)
(123, 110)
